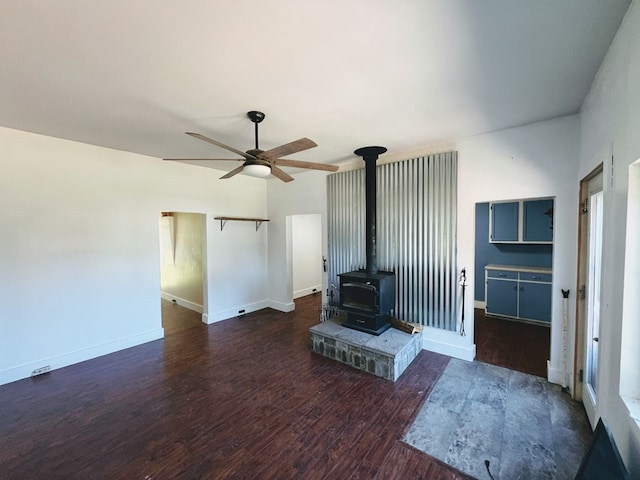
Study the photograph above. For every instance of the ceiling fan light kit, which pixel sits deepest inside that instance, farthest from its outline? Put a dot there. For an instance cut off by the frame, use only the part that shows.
(256, 170)
(260, 163)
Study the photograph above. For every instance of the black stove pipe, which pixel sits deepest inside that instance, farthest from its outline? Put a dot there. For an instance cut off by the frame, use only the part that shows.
(370, 156)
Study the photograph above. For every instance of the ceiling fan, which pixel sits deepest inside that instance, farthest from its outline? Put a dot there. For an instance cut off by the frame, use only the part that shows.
(261, 163)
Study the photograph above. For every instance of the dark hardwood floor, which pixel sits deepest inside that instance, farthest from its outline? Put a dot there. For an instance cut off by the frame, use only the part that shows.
(244, 398)
(514, 345)
(176, 318)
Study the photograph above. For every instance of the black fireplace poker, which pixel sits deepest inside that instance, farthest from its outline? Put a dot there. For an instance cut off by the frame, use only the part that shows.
(370, 156)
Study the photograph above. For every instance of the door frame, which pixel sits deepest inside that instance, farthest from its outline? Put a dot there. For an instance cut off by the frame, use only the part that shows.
(582, 272)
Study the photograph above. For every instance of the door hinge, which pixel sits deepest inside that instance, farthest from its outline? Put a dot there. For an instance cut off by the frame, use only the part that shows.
(583, 292)
(585, 205)
(581, 376)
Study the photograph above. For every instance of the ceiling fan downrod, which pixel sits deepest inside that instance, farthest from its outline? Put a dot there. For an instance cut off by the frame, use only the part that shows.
(256, 117)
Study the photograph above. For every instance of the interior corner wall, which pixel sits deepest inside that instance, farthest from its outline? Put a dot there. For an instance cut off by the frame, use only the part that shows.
(308, 194)
(610, 122)
(536, 160)
(79, 253)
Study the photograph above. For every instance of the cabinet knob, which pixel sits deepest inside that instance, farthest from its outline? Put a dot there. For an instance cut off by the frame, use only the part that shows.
(515, 287)
(535, 277)
(521, 288)
(502, 274)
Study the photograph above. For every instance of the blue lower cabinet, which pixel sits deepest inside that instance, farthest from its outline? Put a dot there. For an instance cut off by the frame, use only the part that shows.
(523, 295)
(535, 301)
(502, 297)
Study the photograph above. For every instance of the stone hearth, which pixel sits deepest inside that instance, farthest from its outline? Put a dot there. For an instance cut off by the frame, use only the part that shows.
(386, 355)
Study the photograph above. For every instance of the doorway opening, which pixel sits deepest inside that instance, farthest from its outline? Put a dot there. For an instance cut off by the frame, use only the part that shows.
(513, 283)
(306, 254)
(590, 233)
(182, 270)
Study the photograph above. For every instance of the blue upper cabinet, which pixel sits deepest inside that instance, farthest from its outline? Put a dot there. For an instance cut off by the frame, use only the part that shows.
(521, 221)
(504, 221)
(537, 220)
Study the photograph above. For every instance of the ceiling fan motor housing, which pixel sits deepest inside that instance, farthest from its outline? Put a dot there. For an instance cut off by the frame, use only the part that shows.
(255, 152)
(257, 161)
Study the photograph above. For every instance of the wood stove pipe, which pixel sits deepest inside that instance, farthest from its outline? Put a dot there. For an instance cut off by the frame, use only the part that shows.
(370, 156)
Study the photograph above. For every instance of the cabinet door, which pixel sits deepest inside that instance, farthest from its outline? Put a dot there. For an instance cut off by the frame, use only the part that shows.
(502, 297)
(504, 222)
(537, 220)
(535, 301)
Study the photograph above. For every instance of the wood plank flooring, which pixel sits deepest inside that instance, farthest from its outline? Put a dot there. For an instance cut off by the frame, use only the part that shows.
(176, 318)
(239, 399)
(514, 345)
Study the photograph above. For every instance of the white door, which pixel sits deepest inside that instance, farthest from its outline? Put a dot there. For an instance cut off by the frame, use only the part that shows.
(591, 233)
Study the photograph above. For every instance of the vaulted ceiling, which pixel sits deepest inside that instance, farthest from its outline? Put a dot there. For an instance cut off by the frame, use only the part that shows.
(135, 75)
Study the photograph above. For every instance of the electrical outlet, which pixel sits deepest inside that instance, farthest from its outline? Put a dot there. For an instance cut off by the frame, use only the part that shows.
(41, 370)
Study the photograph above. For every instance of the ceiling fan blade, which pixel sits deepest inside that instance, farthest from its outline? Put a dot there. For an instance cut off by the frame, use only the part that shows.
(289, 148)
(233, 172)
(204, 159)
(300, 164)
(221, 145)
(281, 174)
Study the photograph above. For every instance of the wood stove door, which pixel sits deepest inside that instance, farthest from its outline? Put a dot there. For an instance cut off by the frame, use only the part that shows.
(360, 296)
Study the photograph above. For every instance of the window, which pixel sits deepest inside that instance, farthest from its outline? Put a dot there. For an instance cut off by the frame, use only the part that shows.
(630, 353)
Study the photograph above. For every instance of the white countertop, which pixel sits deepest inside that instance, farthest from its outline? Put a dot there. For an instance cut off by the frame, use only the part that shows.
(518, 268)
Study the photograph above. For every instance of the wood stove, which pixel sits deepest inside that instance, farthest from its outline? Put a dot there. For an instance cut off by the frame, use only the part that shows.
(368, 295)
(367, 299)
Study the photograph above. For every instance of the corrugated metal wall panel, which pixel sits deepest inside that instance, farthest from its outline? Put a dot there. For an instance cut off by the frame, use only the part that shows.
(416, 234)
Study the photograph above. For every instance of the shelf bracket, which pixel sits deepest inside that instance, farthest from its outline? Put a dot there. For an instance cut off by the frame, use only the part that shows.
(222, 224)
(258, 223)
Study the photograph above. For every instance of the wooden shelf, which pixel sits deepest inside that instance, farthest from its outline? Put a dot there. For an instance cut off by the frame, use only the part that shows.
(224, 220)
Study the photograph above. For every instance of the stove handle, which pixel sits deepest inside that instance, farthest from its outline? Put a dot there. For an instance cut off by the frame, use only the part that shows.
(366, 286)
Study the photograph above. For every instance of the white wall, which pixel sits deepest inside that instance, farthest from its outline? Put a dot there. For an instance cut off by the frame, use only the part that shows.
(79, 254)
(536, 160)
(306, 253)
(182, 261)
(237, 255)
(306, 195)
(610, 122)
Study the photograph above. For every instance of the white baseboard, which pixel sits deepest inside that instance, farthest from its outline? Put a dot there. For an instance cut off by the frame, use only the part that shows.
(447, 343)
(479, 304)
(554, 375)
(24, 371)
(307, 291)
(182, 302)
(282, 307)
(234, 312)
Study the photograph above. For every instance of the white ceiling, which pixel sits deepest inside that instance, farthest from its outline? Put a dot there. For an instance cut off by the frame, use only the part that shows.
(134, 75)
